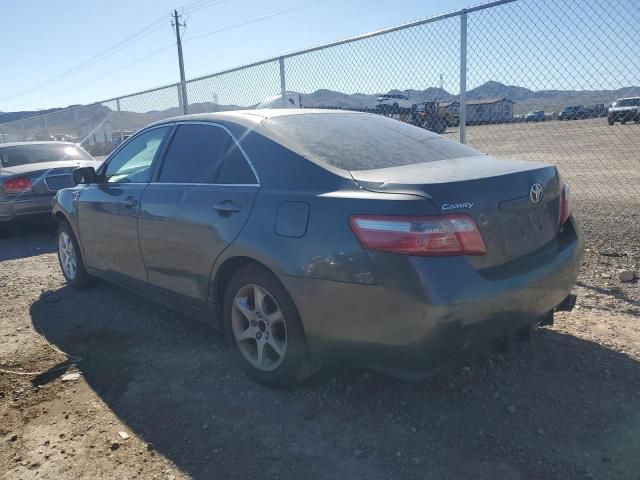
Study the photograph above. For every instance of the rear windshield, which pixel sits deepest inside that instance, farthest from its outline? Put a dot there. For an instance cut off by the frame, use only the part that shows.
(24, 154)
(358, 141)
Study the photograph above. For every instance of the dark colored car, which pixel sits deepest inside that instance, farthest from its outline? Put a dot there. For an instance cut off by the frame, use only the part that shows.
(32, 172)
(317, 236)
(576, 112)
(624, 110)
(534, 116)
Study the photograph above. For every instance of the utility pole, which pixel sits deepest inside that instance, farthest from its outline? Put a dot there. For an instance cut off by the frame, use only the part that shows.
(175, 23)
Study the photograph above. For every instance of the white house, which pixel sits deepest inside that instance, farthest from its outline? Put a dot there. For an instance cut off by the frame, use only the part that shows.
(487, 110)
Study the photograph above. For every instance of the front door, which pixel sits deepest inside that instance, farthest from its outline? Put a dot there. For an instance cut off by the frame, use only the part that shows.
(108, 210)
(197, 205)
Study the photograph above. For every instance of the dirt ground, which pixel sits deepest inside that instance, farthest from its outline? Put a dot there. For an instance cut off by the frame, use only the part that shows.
(565, 405)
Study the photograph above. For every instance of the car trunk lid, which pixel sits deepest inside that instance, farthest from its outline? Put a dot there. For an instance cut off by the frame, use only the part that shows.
(497, 194)
(47, 177)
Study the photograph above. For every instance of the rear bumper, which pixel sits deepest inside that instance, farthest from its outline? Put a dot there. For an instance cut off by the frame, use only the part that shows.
(24, 205)
(432, 311)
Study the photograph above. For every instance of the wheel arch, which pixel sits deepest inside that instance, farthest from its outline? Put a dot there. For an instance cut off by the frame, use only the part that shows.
(61, 217)
(226, 270)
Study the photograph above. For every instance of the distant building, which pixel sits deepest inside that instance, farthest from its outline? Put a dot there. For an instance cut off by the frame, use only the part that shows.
(105, 132)
(489, 110)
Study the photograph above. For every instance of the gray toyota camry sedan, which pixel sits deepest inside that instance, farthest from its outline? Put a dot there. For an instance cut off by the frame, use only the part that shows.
(316, 237)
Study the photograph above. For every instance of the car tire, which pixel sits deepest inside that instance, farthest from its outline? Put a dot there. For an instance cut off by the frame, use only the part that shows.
(70, 258)
(610, 121)
(267, 338)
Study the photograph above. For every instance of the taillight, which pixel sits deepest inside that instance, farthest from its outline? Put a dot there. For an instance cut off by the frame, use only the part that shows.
(17, 185)
(455, 234)
(565, 203)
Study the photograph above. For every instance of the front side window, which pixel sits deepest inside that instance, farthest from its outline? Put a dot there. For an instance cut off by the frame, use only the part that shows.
(133, 164)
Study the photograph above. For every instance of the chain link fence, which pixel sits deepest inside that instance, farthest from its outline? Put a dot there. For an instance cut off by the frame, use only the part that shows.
(530, 79)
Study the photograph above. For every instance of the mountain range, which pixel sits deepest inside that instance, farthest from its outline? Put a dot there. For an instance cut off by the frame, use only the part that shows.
(524, 98)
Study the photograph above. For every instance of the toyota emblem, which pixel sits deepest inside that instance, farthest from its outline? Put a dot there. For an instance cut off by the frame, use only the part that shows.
(536, 192)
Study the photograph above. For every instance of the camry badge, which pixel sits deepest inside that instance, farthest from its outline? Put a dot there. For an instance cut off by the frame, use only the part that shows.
(451, 206)
(536, 192)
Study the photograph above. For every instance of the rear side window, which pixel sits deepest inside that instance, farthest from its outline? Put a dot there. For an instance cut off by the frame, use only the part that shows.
(235, 169)
(204, 154)
(194, 154)
(356, 141)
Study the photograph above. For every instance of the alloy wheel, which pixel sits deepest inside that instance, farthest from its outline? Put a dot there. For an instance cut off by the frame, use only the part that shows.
(259, 327)
(67, 255)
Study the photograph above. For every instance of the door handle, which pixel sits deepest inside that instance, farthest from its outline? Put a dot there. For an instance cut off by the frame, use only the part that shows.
(228, 206)
(129, 202)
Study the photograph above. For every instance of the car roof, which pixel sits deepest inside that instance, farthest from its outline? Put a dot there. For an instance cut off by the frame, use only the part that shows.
(46, 142)
(251, 118)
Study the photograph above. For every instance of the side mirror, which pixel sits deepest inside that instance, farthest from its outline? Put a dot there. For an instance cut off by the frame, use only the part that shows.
(85, 175)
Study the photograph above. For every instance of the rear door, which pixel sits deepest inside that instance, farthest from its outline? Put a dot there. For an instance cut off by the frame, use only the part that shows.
(195, 207)
(108, 211)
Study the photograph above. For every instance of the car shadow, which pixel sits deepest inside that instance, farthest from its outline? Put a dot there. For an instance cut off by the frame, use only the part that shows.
(556, 407)
(617, 292)
(27, 238)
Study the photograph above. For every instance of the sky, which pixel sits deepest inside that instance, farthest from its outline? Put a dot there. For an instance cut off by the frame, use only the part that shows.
(43, 40)
(77, 52)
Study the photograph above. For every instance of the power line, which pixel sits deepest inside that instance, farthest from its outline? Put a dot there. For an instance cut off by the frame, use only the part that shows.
(254, 20)
(147, 30)
(194, 6)
(110, 72)
(121, 45)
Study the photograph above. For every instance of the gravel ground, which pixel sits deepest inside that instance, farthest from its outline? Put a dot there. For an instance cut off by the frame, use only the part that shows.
(564, 405)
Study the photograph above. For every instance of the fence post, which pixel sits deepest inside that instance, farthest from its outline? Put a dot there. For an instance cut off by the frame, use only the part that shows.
(76, 119)
(180, 103)
(119, 121)
(185, 101)
(463, 76)
(283, 84)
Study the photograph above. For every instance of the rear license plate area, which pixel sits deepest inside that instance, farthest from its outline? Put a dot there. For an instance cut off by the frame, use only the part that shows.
(527, 230)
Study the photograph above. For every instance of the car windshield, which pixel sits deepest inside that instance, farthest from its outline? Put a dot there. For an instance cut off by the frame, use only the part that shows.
(15, 155)
(358, 141)
(628, 102)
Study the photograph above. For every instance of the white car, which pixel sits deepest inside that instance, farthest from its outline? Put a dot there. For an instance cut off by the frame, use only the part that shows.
(393, 103)
(624, 110)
